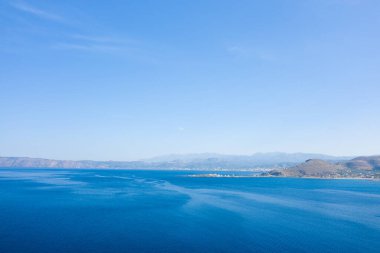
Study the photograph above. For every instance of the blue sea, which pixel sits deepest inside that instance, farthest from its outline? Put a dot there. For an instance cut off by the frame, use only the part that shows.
(54, 211)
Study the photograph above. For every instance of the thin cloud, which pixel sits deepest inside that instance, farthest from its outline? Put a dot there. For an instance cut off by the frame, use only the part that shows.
(94, 43)
(36, 11)
(91, 43)
(134, 52)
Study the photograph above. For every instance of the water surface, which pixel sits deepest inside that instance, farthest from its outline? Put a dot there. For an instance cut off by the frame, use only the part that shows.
(162, 211)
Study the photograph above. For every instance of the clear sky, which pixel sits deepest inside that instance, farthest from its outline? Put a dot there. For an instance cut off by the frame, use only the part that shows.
(128, 79)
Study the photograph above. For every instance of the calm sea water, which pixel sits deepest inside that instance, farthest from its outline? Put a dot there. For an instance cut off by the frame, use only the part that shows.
(162, 211)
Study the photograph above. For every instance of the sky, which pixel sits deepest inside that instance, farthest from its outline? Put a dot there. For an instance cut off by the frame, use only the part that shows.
(130, 79)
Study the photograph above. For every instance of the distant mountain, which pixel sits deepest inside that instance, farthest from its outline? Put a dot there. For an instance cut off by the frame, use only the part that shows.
(26, 162)
(360, 167)
(259, 157)
(186, 161)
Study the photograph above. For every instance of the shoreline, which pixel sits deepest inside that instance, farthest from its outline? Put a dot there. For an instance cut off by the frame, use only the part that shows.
(210, 174)
(258, 176)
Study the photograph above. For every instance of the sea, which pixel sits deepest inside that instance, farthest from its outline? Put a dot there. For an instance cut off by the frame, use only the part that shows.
(62, 210)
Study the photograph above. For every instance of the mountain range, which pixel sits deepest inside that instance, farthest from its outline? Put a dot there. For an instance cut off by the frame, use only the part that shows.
(183, 161)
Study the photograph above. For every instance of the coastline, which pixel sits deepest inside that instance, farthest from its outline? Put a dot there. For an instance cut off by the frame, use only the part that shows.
(260, 176)
(195, 173)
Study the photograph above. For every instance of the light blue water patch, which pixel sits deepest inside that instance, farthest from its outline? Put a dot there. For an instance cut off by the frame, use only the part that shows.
(163, 211)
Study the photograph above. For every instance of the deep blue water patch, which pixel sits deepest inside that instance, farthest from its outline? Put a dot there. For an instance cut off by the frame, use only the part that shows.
(163, 211)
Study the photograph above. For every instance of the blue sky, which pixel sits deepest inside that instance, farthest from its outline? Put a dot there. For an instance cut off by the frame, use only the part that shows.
(121, 80)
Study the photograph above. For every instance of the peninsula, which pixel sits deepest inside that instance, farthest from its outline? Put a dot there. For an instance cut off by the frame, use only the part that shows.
(367, 167)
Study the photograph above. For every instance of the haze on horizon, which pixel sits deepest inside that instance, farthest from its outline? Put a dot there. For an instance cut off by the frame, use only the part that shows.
(124, 80)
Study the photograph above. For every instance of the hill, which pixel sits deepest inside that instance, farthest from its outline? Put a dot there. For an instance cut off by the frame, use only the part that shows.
(360, 167)
(364, 163)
